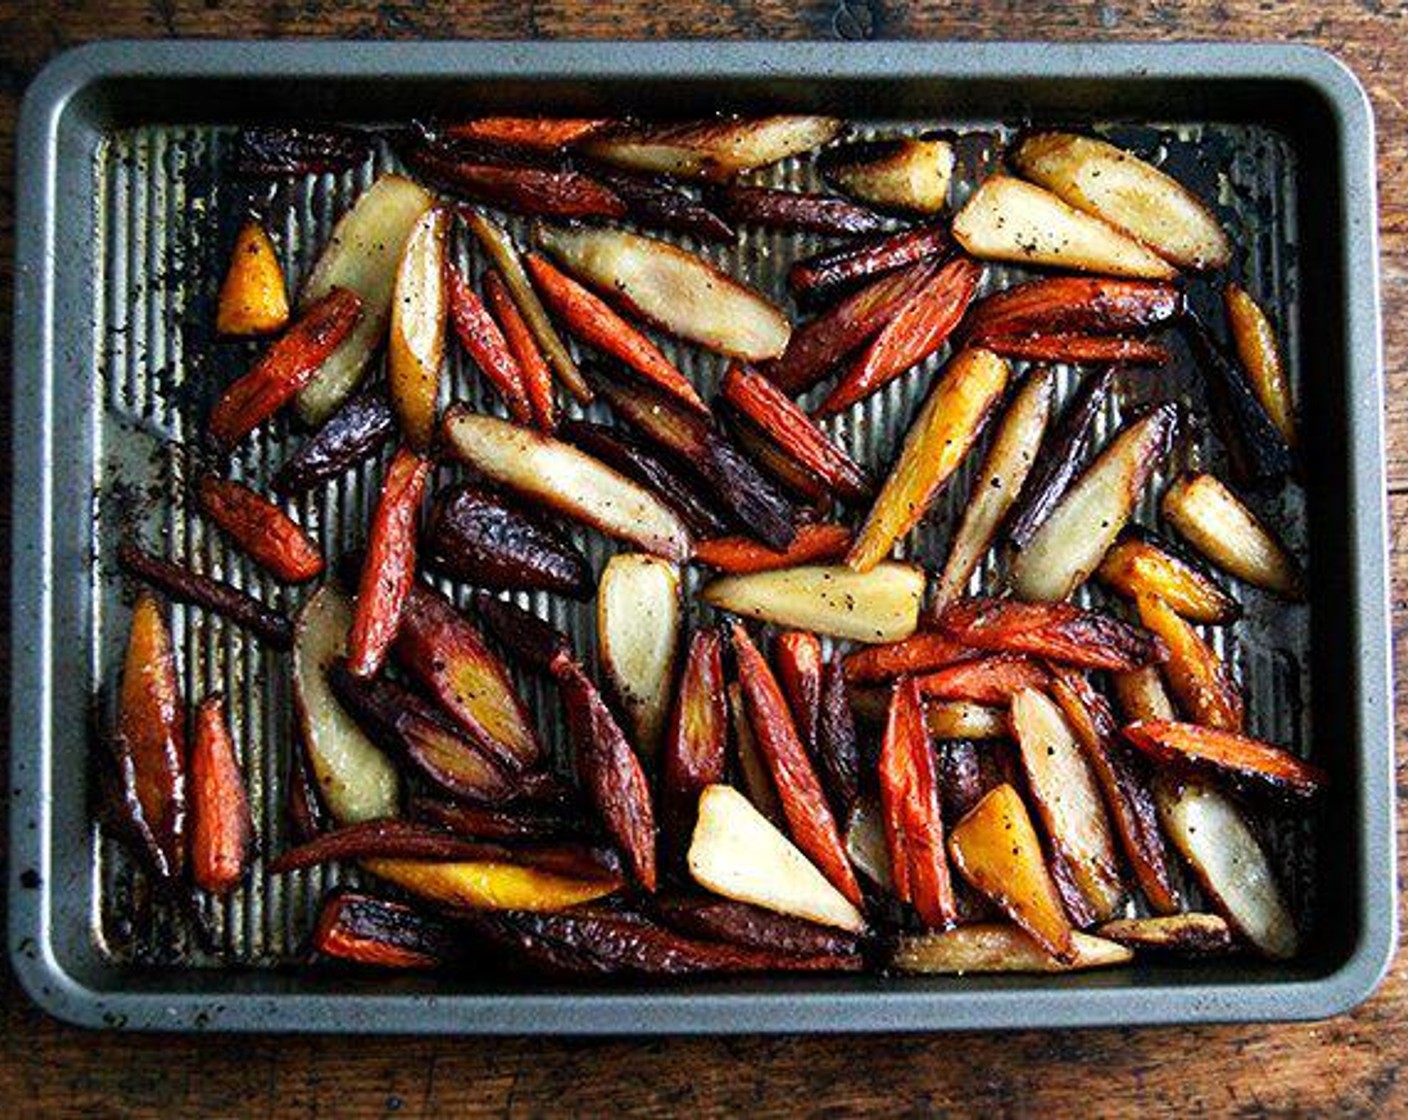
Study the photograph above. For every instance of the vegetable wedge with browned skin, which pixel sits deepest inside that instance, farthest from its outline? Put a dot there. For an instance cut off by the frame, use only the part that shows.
(1184, 935)
(222, 831)
(672, 288)
(654, 202)
(497, 882)
(836, 270)
(696, 741)
(545, 469)
(420, 306)
(714, 149)
(991, 679)
(995, 848)
(535, 645)
(797, 655)
(518, 822)
(748, 765)
(922, 653)
(1071, 542)
(535, 133)
(1224, 530)
(776, 465)
(253, 299)
(1201, 682)
(1141, 695)
(638, 617)
(964, 719)
(1055, 631)
(356, 431)
(906, 173)
(1080, 349)
(804, 805)
(1244, 760)
(1074, 304)
(1141, 564)
(805, 211)
(261, 529)
(981, 947)
(739, 923)
(815, 542)
(837, 750)
(482, 339)
(539, 189)
(938, 441)
(1260, 355)
(367, 930)
(518, 335)
(881, 605)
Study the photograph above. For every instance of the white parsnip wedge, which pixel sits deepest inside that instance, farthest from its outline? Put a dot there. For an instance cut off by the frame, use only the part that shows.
(1181, 934)
(715, 149)
(1141, 695)
(1212, 835)
(1069, 805)
(357, 781)
(963, 719)
(362, 255)
(999, 481)
(638, 632)
(1127, 192)
(937, 443)
(1073, 540)
(1006, 219)
(880, 605)
(1219, 526)
(420, 303)
(736, 853)
(672, 288)
(752, 770)
(910, 173)
(866, 846)
(1000, 947)
(567, 480)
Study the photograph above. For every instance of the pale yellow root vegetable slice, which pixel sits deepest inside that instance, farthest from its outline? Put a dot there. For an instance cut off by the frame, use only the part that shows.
(1219, 526)
(1260, 355)
(416, 346)
(713, 149)
(910, 173)
(1000, 947)
(1113, 184)
(672, 288)
(638, 632)
(362, 255)
(880, 605)
(1141, 695)
(253, 299)
(1071, 542)
(1068, 802)
(1181, 934)
(865, 842)
(937, 443)
(357, 781)
(491, 885)
(565, 479)
(1212, 835)
(963, 719)
(736, 853)
(1006, 219)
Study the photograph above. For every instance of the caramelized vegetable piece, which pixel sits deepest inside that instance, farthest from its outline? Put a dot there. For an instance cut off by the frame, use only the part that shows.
(356, 781)
(1082, 305)
(922, 653)
(473, 535)
(654, 202)
(481, 338)
(964, 719)
(470, 173)
(638, 635)
(1240, 757)
(1123, 782)
(362, 255)
(390, 565)
(547, 470)
(442, 652)
(501, 249)
(1055, 631)
(536, 133)
(1140, 564)
(303, 805)
(736, 853)
(1080, 349)
(865, 840)
(696, 743)
(483, 822)
(1200, 681)
(837, 752)
(999, 947)
(364, 929)
(1227, 533)
(272, 150)
(809, 818)
(1071, 542)
(1259, 452)
(716, 149)
(775, 464)
(536, 645)
(1141, 695)
(151, 727)
(1128, 193)
(914, 828)
(253, 299)
(1059, 779)
(186, 586)
(881, 605)
(356, 431)
(1210, 832)
(938, 441)
(221, 829)
(500, 881)
(262, 530)
(611, 774)
(774, 413)
(536, 376)
(288, 365)
(1006, 219)
(836, 270)
(1185, 935)
(995, 848)
(966, 774)
(917, 330)
(591, 320)
(750, 767)
(419, 305)
(797, 655)
(795, 210)
(673, 289)
(908, 173)
(1260, 356)
(815, 542)
(738, 923)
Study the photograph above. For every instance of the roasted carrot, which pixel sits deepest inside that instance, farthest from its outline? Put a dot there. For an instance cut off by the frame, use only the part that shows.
(835, 270)
(1083, 305)
(375, 931)
(537, 375)
(797, 654)
(814, 543)
(1201, 682)
(1055, 631)
(696, 743)
(1240, 757)
(1078, 349)
(984, 680)
(922, 653)
(221, 829)
(270, 537)
(538, 133)
(481, 337)
(837, 751)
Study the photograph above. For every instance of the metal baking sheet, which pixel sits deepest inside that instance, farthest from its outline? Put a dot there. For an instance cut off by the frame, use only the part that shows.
(115, 357)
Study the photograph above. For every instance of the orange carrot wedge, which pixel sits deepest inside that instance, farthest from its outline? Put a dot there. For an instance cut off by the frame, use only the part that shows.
(1240, 757)
(537, 374)
(799, 664)
(221, 830)
(253, 299)
(984, 680)
(1200, 681)
(481, 337)
(922, 653)
(261, 529)
(814, 543)
(537, 133)
(1055, 631)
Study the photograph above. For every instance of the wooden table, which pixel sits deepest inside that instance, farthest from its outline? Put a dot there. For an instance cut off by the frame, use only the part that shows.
(1351, 1064)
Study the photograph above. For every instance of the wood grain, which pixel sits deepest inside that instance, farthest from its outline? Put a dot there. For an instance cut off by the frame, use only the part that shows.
(1349, 1065)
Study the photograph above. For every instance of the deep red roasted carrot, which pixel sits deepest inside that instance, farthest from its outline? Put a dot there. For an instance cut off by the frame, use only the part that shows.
(985, 680)
(537, 375)
(814, 543)
(552, 191)
(772, 208)
(390, 565)
(261, 529)
(481, 337)
(1240, 757)
(923, 653)
(376, 931)
(1055, 631)
(1091, 349)
(909, 795)
(537, 133)
(809, 818)
(837, 752)
(775, 414)
(836, 270)
(798, 657)
(287, 366)
(221, 829)
(1083, 305)
(696, 744)
(919, 328)
(590, 319)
